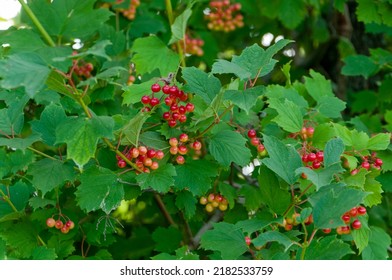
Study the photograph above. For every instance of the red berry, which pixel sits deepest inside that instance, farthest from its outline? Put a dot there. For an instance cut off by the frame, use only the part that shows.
(346, 218)
(135, 152)
(182, 118)
(175, 116)
(211, 197)
(166, 89)
(174, 108)
(365, 165)
(180, 160)
(166, 115)
(327, 230)
(173, 90)
(182, 150)
(70, 224)
(196, 145)
(255, 141)
(121, 163)
(305, 158)
(154, 165)
(50, 222)
(142, 150)
(190, 107)
(159, 154)
(58, 224)
(183, 138)
(173, 150)
(64, 229)
(260, 148)
(154, 101)
(146, 109)
(172, 123)
(168, 101)
(146, 99)
(316, 164)
(312, 157)
(173, 142)
(353, 212)
(155, 88)
(252, 133)
(309, 131)
(320, 156)
(248, 241)
(356, 224)
(181, 110)
(378, 162)
(354, 172)
(361, 210)
(151, 153)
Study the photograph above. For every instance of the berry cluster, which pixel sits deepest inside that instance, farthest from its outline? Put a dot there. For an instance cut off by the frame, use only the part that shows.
(369, 162)
(60, 225)
(289, 222)
(349, 218)
(313, 160)
(81, 68)
(213, 201)
(131, 77)
(192, 46)
(175, 100)
(307, 132)
(224, 16)
(255, 141)
(142, 157)
(179, 148)
(129, 13)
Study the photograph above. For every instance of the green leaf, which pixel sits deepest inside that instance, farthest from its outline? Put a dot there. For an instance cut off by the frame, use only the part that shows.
(133, 93)
(28, 70)
(228, 146)
(272, 236)
(159, 180)
(200, 83)
(151, 53)
(380, 141)
(57, 20)
(379, 242)
(357, 180)
(99, 189)
(20, 143)
(44, 253)
(57, 83)
(359, 65)
(186, 202)
(99, 49)
(49, 174)
(225, 238)
(154, 140)
(331, 202)
(255, 224)
(327, 248)
(253, 62)
(330, 106)
(367, 11)
(17, 40)
(82, 135)
(179, 26)
(21, 238)
(321, 177)
(253, 197)
(318, 87)
(19, 196)
(131, 131)
(333, 151)
(289, 114)
(374, 188)
(52, 116)
(282, 160)
(229, 193)
(343, 133)
(322, 134)
(166, 239)
(277, 199)
(38, 202)
(196, 176)
(244, 99)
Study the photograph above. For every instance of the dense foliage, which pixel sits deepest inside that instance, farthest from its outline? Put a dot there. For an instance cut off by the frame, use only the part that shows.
(222, 129)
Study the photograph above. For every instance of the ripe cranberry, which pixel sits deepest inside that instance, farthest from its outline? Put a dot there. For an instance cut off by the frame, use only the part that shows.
(173, 90)
(312, 157)
(135, 152)
(361, 210)
(172, 123)
(174, 108)
(142, 150)
(356, 224)
(248, 241)
(146, 99)
(70, 224)
(64, 229)
(50, 222)
(190, 107)
(173, 142)
(365, 165)
(260, 148)
(175, 116)
(353, 212)
(154, 101)
(320, 156)
(354, 172)
(316, 164)
(58, 224)
(155, 88)
(305, 158)
(146, 109)
(166, 89)
(168, 101)
(166, 115)
(346, 218)
(182, 118)
(183, 138)
(154, 165)
(255, 141)
(327, 230)
(196, 145)
(182, 150)
(159, 154)
(151, 153)
(121, 163)
(252, 133)
(147, 162)
(173, 150)
(182, 110)
(378, 162)
(180, 159)
(310, 131)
